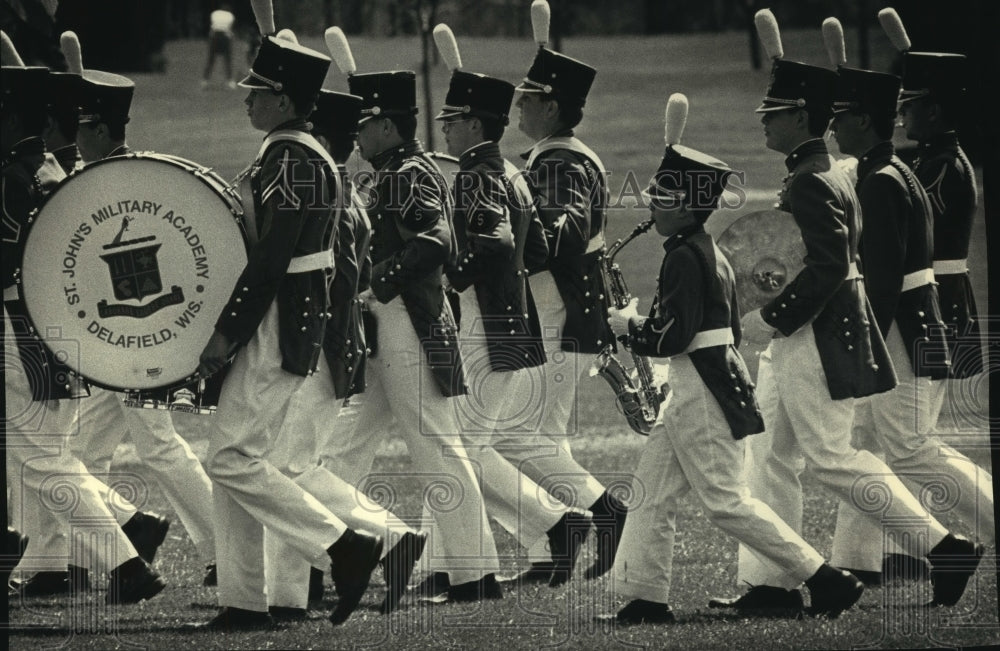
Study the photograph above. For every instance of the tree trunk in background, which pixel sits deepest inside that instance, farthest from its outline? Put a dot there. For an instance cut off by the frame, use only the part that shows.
(864, 47)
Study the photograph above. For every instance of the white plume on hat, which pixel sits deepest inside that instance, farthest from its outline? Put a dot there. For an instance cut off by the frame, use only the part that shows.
(541, 16)
(893, 28)
(340, 50)
(447, 46)
(287, 35)
(833, 39)
(8, 53)
(675, 118)
(768, 33)
(70, 46)
(263, 11)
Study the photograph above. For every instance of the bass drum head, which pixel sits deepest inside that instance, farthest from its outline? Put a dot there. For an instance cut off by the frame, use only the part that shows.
(134, 258)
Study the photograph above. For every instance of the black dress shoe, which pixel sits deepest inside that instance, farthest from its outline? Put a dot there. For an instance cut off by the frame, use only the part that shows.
(14, 544)
(832, 591)
(316, 587)
(953, 562)
(902, 567)
(485, 588)
(764, 600)
(45, 584)
(641, 611)
(537, 573)
(397, 566)
(565, 539)
(286, 613)
(211, 578)
(353, 558)
(146, 532)
(232, 619)
(436, 584)
(131, 582)
(609, 521)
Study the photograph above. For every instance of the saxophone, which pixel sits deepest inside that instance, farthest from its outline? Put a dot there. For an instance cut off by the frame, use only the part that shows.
(639, 405)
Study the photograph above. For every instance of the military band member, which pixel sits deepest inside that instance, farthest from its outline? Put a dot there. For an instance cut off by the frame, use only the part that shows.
(695, 321)
(31, 462)
(931, 102)
(301, 450)
(274, 322)
(896, 253)
(568, 181)
(63, 120)
(500, 335)
(104, 101)
(823, 356)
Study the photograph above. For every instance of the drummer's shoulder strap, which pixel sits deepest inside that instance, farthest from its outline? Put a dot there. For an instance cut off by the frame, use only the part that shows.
(310, 143)
(571, 143)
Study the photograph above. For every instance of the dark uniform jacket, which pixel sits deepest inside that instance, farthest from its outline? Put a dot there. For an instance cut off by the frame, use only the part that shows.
(897, 239)
(344, 344)
(571, 196)
(948, 178)
(412, 241)
(23, 191)
(696, 291)
(827, 211)
(296, 212)
(491, 226)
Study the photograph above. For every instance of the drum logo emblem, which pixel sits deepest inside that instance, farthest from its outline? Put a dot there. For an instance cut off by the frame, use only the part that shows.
(135, 274)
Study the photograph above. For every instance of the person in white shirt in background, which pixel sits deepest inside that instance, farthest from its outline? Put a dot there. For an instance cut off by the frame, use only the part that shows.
(220, 43)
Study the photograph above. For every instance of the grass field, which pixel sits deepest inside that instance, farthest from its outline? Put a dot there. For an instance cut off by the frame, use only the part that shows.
(623, 123)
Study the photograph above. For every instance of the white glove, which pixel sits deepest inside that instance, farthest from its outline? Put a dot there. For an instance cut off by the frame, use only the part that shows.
(618, 319)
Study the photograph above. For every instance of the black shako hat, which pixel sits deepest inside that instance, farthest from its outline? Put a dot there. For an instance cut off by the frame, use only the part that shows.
(385, 93)
(940, 74)
(471, 94)
(64, 90)
(688, 177)
(565, 78)
(105, 97)
(25, 88)
(286, 67)
(868, 91)
(336, 113)
(799, 85)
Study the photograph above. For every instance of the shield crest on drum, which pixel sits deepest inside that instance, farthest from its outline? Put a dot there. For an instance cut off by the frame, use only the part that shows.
(134, 257)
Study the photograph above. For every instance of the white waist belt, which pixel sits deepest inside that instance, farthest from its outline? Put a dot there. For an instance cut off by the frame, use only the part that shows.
(709, 338)
(11, 294)
(917, 279)
(311, 262)
(852, 272)
(596, 243)
(949, 267)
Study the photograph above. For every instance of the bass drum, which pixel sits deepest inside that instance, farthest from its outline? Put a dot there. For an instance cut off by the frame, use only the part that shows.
(134, 258)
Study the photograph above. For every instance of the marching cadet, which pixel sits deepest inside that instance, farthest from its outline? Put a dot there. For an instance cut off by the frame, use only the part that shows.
(931, 100)
(64, 110)
(569, 184)
(274, 322)
(104, 100)
(416, 366)
(694, 321)
(896, 254)
(50, 383)
(499, 334)
(300, 448)
(823, 355)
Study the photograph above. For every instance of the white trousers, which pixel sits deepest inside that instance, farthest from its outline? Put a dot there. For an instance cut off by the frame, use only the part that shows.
(805, 427)
(166, 457)
(545, 454)
(315, 418)
(900, 425)
(249, 493)
(401, 393)
(54, 490)
(693, 448)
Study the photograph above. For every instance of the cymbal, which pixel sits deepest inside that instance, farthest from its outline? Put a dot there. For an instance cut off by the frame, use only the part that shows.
(765, 250)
